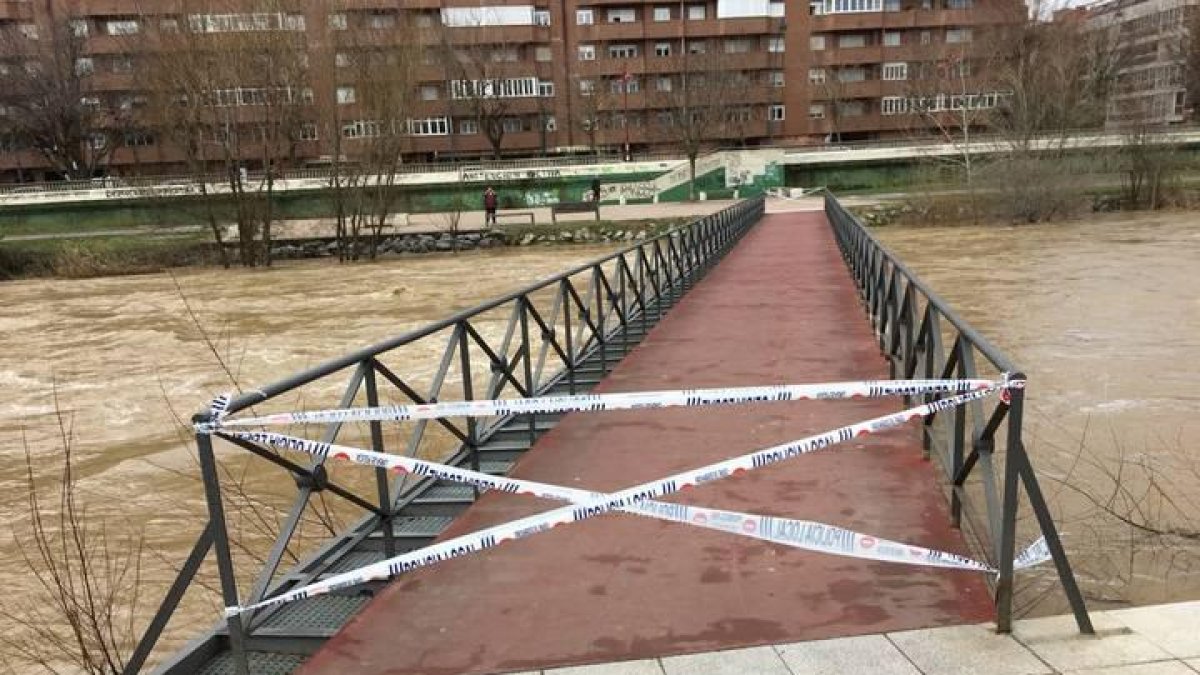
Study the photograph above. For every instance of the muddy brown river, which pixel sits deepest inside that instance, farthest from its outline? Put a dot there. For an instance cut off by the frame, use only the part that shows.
(1103, 315)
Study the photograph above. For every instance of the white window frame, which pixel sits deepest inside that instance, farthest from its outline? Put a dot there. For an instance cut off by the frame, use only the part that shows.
(84, 66)
(816, 111)
(585, 17)
(79, 27)
(891, 38)
(430, 92)
(816, 43)
(346, 95)
(429, 126)
(308, 132)
(738, 45)
(546, 89)
(775, 78)
(776, 44)
(662, 49)
(542, 54)
(337, 21)
(663, 83)
(961, 36)
(342, 60)
(697, 12)
(816, 76)
(122, 27)
(852, 41)
(623, 50)
(541, 17)
(662, 13)
(776, 113)
(894, 71)
(587, 52)
(468, 126)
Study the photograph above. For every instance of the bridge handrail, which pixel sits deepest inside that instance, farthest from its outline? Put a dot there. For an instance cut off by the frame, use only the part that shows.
(553, 326)
(908, 318)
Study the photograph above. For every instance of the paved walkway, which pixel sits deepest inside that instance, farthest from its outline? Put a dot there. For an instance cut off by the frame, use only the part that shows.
(1154, 640)
(779, 309)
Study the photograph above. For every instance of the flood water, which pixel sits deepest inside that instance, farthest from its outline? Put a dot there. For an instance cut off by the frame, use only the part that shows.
(1103, 315)
(125, 359)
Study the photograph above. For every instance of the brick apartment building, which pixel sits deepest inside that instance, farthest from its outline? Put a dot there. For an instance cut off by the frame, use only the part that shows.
(572, 76)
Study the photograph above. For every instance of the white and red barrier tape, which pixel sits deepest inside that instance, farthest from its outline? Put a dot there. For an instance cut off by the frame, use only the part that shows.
(639, 499)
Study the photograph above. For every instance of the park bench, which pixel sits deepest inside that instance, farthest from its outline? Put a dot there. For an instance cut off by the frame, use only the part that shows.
(520, 214)
(574, 207)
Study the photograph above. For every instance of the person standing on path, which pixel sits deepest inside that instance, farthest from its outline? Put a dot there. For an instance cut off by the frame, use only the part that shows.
(489, 206)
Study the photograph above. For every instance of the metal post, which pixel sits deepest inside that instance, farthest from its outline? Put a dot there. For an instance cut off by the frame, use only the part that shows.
(216, 516)
(1008, 515)
(464, 355)
(381, 474)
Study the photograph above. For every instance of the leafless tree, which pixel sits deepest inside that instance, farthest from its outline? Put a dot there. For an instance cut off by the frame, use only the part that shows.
(88, 576)
(232, 91)
(374, 69)
(1056, 78)
(693, 113)
(476, 59)
(49, 100)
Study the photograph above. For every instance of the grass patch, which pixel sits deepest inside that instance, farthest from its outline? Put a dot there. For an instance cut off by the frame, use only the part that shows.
(101, 256)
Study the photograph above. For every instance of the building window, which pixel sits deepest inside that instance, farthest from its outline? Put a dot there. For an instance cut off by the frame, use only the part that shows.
(697, 46)
(92, 102)
(852, 41)
(776, 9)
(308, 131)
(738, 45)
(662, 49)
(959, 4)
(662, 13)
(776, 113)
(891, 5)
(775, 78)
(425, 20)
(816, 76)
(958, 35)
(541, 17)
(851, 74)
(84, 66)
(895, 71)
(381, 21)
(121, 27)
(816, 42)
(168, 26)
(138, 139)
(776, 45)
(79, 27)
(662, 83)
(468, 127)
(618, 85)
(893, 105)
(545, 89)
(622, 16)
(587, 52)
(512, 125)
(816, 111)
(551, 124)
(542, 54)
(583, 17)
(891, 38)
(695, 12)
(345, 95)
(512, 87)
(29, 31)
(851, 108)
(504, 55)
(337, 21)
(341, 60)
(429, 92)
(629, 51)
(122, 64)
(432, 126)
(926, 37)
(586, 87)
(851, 6)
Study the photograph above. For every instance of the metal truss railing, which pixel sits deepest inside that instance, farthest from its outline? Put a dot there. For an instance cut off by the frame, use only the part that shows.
(923, 337)
(548, 329)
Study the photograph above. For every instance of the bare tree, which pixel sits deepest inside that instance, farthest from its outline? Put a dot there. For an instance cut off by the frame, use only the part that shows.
(375, 73)
(232, 91)
(693, 112)
(49, 101)
(1056, 78)
(88, 577)
(479, 86)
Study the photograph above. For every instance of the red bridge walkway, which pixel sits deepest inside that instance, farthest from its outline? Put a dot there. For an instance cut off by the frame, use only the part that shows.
(780, 308)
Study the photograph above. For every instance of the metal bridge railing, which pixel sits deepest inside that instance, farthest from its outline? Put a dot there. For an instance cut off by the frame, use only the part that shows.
(520, 344)
(923, 337)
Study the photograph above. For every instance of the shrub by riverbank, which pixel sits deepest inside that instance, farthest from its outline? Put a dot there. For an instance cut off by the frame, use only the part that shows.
(112, 256)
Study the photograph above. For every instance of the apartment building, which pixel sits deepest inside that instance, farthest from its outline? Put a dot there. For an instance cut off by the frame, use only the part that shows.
(1149, 39)
(506, 78)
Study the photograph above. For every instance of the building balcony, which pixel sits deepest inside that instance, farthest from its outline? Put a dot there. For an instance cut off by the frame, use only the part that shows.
(602, 32)
(853, 56)
(841, 91)
(113, 44)
(872, 121)
(497, 35)
(913, 18)
(106, 82)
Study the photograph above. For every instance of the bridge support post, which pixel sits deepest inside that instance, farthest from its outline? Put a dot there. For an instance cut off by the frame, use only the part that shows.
(216, 516)
(1008, 511)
